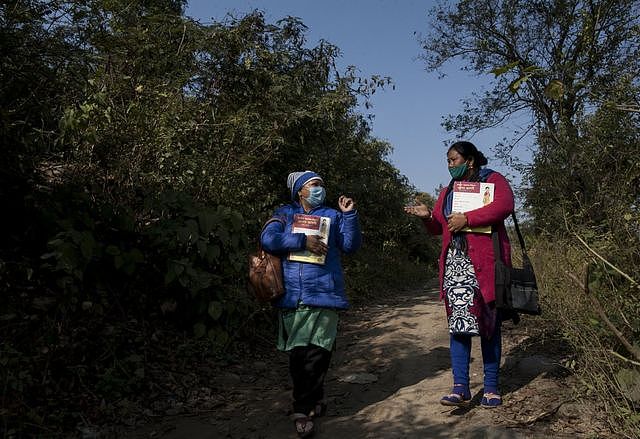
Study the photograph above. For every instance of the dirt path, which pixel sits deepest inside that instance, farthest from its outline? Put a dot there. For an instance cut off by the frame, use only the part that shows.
(387, 375)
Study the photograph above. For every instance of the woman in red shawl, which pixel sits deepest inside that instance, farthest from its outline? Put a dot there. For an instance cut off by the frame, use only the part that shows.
(467, 277)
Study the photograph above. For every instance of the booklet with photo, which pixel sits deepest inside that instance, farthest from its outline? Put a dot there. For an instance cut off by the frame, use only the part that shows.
(310, 225)
(471, 195)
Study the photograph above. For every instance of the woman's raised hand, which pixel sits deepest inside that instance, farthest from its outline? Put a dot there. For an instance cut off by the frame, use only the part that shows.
(346, 204)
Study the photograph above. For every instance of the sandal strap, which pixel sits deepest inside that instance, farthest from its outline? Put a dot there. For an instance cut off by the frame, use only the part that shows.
(461, 390)
(459, 396)
(491, 400)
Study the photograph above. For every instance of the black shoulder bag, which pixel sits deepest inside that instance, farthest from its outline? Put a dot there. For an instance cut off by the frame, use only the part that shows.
(516, 288)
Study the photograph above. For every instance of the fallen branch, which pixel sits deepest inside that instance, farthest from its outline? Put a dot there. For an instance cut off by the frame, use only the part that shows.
(622, 357)
(536, 418)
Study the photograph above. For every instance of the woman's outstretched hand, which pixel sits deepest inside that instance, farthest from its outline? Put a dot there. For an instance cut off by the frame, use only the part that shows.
(420, 210)
(346, 204)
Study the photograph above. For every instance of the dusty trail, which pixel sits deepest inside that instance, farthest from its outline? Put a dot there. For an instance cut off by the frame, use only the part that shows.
(387, 375)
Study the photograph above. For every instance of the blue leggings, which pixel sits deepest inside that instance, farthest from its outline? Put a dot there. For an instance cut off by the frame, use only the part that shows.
(461, 356)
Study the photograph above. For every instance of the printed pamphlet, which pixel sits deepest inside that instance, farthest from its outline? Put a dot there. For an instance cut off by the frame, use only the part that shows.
(471, 195)
(310, 225)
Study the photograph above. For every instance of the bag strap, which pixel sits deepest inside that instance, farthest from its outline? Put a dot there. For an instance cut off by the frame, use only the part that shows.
(269, 221)
(496, 245)
(515, 222)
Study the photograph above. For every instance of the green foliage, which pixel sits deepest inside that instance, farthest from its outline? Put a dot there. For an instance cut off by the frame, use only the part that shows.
(143, 153)
(570, 188)
(574, 49)
(554, 63)
(205, 252)
(193, 254)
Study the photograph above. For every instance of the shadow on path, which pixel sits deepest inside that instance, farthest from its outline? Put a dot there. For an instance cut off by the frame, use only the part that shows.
(399, 345)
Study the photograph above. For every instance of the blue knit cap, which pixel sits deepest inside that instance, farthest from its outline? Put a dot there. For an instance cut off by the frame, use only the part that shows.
(296, 180)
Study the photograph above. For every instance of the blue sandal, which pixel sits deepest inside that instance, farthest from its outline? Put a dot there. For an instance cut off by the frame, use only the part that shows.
(491, 400)
(460, 395)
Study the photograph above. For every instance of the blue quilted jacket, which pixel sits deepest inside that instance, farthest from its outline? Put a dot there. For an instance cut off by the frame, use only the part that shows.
(306, 283)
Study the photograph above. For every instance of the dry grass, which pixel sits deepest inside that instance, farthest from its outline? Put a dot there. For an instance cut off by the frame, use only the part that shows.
(567, 306)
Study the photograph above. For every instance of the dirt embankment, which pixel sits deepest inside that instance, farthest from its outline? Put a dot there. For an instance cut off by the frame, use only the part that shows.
(389, 371)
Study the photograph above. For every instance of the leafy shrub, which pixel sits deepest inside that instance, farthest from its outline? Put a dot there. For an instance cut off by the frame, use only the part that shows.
(143, 152)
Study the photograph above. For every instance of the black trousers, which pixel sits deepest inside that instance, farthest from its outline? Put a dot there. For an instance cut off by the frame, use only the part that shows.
(308, 367)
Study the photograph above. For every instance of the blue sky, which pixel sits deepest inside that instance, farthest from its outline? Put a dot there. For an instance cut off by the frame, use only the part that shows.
(378, 37)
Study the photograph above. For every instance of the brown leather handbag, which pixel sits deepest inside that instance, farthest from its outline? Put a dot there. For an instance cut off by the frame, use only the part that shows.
(265, 272)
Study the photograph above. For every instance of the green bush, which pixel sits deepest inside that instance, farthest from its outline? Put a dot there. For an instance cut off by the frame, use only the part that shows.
(143, 153)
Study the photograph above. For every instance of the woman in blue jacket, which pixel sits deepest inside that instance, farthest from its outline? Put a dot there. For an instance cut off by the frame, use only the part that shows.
(314, 292)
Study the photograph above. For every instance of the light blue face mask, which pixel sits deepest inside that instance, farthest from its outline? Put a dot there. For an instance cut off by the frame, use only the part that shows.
(316, 196)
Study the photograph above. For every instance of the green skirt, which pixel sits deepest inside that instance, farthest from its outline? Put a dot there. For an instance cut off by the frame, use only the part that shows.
(305, 325)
